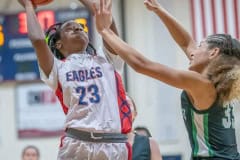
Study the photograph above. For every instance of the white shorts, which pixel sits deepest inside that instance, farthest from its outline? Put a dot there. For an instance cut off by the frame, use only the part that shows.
(73, 149)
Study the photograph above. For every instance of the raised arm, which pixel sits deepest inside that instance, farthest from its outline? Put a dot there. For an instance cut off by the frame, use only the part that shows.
(89, 5)
(186, 80)
(193, 82)
(179, 34)
(37, 37)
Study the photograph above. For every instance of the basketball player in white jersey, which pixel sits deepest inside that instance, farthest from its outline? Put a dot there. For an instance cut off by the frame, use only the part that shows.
(89, 88)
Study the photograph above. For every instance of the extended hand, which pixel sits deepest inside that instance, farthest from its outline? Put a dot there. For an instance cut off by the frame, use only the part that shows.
(151, 4)
(103, 15)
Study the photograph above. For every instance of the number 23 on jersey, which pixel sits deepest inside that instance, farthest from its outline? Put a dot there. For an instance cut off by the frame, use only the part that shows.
(88, 94)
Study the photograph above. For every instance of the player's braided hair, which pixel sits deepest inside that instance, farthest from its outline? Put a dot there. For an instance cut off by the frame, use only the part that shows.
(53, 35)
(224, 70)
(227, 45)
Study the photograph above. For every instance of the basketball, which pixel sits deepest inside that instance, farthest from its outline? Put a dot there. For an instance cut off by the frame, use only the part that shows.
(41, 2)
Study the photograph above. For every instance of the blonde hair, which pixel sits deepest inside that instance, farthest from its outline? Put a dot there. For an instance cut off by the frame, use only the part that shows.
(224, 72)
(234, 94)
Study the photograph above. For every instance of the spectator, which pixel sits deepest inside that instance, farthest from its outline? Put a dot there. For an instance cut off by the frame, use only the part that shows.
(30, 152)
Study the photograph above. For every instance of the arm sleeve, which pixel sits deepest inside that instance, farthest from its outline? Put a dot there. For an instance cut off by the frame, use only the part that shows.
(52, 79)
(115, 60)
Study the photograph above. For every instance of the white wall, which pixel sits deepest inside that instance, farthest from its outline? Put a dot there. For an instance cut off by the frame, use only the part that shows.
(158, 104)
(10, 145)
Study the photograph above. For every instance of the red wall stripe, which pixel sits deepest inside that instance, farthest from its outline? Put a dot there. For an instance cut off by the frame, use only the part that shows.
(213, 16)
(192, 8)
(225, 16)
(235, 5)
(203, 18)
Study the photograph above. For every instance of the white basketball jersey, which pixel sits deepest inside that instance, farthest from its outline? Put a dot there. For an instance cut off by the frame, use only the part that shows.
(87, 85)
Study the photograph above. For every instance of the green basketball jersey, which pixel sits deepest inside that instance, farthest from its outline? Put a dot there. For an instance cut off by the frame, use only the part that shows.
(211, 132)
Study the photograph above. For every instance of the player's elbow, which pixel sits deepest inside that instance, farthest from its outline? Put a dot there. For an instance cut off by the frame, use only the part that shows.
(140, 66)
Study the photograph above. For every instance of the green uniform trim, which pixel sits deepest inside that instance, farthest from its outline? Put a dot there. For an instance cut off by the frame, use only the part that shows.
(194, 132)
(206, 136)
(211, 132)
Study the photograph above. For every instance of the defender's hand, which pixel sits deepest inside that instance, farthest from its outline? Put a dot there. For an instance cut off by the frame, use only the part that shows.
(103, 15)
(151, 5)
